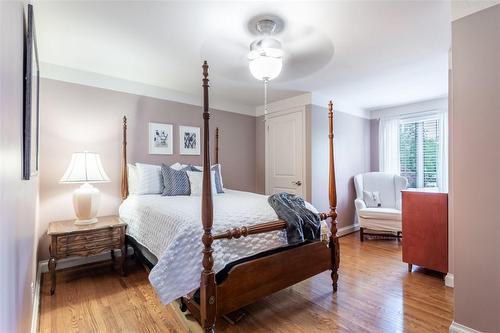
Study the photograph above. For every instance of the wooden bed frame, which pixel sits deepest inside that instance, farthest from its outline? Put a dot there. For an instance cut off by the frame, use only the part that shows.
(250, 280)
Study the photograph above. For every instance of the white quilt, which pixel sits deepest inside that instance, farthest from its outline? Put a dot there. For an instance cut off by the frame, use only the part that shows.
(170, 227)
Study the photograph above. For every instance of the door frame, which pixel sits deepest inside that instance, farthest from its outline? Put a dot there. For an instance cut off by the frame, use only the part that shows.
(303, 147)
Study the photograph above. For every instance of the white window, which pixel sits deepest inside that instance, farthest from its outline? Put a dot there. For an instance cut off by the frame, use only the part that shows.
(419, 143)
(416, 147)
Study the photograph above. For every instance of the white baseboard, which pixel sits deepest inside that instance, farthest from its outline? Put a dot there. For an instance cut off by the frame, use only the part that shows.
(459, 328)
(347, 230)
(35, 318)
(449, 280)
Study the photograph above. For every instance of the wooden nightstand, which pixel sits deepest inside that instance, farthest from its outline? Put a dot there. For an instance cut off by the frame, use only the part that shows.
(69, 240)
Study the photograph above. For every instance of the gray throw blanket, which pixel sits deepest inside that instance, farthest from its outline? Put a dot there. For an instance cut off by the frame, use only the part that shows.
(302, 224)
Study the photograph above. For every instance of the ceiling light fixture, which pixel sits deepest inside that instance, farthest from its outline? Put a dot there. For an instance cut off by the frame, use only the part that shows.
(266, 55)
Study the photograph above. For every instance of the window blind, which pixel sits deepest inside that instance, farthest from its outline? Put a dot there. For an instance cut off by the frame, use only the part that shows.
(419, 152)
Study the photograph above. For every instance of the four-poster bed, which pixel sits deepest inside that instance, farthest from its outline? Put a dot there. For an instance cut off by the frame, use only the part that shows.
(249, 279)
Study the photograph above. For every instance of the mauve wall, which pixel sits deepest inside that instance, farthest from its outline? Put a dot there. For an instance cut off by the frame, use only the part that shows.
(475, 163)
(18, 198)
(352, 156)
(260, 155)
(374, 149)
(77, 117)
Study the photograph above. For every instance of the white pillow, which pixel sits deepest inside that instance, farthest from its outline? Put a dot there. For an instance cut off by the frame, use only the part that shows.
(372, 199)
(196, 182)
(150, 179)
(177, 166)
(133, 179)
(200, 167)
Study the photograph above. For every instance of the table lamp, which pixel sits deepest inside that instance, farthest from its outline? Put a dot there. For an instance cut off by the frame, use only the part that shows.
(85, 168)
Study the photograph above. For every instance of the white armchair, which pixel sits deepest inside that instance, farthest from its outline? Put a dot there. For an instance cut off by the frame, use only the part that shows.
(382, 214)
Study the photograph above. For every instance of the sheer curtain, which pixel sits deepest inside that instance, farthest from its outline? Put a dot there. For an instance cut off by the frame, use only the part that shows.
(442, 165)
(389, 145)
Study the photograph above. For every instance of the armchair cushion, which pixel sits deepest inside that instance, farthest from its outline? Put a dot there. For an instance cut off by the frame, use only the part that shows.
(380, 213)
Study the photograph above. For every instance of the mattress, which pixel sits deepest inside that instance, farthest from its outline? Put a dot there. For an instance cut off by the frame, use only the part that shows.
(171, 229)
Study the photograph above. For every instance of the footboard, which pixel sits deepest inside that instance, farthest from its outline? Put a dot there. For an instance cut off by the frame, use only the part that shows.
(249, 281)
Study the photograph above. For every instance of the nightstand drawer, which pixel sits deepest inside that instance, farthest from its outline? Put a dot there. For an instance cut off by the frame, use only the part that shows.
(96, 236)
(88, 249)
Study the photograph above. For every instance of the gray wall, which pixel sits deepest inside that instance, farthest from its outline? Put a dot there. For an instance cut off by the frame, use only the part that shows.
(18, 198)
(77, 117)
(374, 149)
(260, 155)
(475, 165)
(352, 156)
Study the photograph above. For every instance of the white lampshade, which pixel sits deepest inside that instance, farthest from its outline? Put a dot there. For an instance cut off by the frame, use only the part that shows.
(85, 167)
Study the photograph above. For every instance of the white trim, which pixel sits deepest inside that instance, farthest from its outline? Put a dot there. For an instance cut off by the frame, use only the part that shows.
(72, 75)
(338, 105)
(432, 105)
(449, 280)
(347, 230)
(35, 314)
(78, 261)
(459, 328)
(285, 104)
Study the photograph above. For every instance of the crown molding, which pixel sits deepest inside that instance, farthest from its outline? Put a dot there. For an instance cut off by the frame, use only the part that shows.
(72, 75)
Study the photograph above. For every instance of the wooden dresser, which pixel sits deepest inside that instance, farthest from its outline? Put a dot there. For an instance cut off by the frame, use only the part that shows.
(425, 229)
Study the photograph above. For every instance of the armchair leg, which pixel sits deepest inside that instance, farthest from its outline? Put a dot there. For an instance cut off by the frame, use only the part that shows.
(361, 236)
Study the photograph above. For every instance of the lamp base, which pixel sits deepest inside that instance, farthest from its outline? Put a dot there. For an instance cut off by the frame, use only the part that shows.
(86, 200)
(86, 222)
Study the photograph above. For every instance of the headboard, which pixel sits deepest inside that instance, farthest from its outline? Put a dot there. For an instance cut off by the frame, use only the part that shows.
(124, 171)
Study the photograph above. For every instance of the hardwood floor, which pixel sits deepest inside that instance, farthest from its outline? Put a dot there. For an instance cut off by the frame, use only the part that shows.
(375, 294)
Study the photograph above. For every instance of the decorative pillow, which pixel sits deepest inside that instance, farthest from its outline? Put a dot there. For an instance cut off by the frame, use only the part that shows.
(133, 179)
(150, 179)
(372, 199)
(218, 176)
(196, 181)
(175, 182)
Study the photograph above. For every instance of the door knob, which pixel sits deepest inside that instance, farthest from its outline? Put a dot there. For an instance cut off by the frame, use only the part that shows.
(298, 183)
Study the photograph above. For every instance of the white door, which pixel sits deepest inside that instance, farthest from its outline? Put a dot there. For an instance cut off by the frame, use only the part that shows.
(285, 153)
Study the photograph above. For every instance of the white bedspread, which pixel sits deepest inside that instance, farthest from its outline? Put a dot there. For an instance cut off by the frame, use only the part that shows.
(170, 227)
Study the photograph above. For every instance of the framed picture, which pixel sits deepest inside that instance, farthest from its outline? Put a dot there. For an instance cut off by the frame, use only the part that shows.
(189, 140)
(31, 109)
(160, 139)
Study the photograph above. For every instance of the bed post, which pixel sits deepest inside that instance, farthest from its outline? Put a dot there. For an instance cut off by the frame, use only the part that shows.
(332, 196)
(124, 171)
(217, 145)
(208, 288)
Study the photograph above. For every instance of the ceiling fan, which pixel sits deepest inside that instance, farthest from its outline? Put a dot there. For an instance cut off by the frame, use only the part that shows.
(268, 48)
(266, 55)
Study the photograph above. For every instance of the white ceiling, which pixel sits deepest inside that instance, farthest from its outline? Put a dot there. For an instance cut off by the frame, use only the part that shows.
(367, 54)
